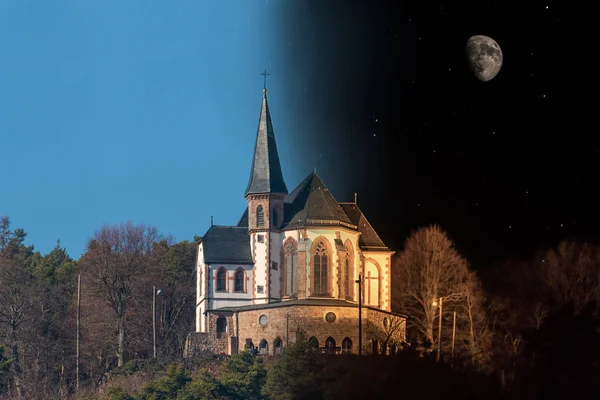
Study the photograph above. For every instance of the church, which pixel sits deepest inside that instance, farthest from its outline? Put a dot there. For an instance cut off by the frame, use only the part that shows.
(295, 261)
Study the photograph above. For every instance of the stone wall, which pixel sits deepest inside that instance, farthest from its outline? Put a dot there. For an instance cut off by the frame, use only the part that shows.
(284, 321)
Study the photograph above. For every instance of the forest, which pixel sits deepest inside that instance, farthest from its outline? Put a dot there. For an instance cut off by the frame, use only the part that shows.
(518, 328)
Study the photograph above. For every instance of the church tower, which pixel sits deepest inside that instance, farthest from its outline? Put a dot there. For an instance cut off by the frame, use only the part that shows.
(265, 194)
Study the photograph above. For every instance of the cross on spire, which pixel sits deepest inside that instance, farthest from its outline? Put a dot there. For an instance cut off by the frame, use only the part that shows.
(265, 75)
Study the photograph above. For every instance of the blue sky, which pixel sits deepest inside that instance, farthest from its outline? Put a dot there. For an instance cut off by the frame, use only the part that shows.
(135, 110)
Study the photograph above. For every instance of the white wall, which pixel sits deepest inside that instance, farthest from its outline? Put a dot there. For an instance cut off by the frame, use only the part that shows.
(260, 265)
(275, 250)
(200, 273)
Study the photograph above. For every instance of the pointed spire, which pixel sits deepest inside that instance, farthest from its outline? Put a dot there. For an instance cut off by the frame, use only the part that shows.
(266, 175)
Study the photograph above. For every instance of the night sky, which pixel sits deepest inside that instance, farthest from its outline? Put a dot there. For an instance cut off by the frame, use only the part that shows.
(506, 167)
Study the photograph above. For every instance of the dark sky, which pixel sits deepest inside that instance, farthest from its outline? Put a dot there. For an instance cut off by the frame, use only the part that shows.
(505, 167)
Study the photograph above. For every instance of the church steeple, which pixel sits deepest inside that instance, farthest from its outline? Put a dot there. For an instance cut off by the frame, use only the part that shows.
(265, 175)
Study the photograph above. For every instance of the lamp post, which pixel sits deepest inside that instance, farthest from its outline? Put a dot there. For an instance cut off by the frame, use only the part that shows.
(359, 281)
(441, 304)
(154, 293)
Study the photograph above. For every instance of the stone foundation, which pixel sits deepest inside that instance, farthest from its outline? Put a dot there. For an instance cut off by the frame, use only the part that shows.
(387, 330)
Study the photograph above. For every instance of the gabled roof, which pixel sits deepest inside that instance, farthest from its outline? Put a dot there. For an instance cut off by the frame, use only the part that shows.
(369, 239)
(227, 245)
(311, 204)
(265, 175)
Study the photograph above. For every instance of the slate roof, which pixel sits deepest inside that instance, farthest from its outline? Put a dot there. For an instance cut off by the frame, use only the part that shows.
(311, 204)
(227, 245)
(265, 174)
(369, 239)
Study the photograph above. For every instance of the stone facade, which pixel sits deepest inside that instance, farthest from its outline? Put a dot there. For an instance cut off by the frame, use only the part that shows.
(281, 322)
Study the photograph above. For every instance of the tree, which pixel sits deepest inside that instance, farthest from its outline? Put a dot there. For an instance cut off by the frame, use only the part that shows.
(174, 273)
(298, 372)
(570, 273)
(429, 269)
(391, 332)
(114, 264)
(17, 297)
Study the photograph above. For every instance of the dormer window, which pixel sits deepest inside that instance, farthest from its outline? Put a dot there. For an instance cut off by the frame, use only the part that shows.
(260, 216)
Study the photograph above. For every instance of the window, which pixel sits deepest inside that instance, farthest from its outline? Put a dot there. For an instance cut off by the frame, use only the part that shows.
(260, 289)
(347, 346)
(221, 280)
(221, 326)
(277, 346)
(260, 216)
(263, 347)
(313, 343)
(274, 265)
(320, 282)
(291, 268)
(261, 238)
(274, 212)
(239, 279)
(330, 345)
(375, 346)
(330, 317)
(263, 320)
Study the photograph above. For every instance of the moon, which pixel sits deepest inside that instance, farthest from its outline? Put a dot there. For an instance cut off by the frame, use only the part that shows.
(484, 56)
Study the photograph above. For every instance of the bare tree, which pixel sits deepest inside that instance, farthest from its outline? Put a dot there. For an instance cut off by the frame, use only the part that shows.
(115, 261)
(391, 332)
(429, 269)
(474, 313)
(572, 274)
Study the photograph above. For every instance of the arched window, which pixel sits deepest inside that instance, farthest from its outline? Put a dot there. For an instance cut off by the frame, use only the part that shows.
(277, 346)
(313, 343)
(291, 269)
(260, 216)
(330, 345)
(375, 346)
(372, 284)
(221, 326)
(320, 271)
(221, 280)
(274, 212)
(347, 346)
(240, 279)
(263, 347)
(349, 275)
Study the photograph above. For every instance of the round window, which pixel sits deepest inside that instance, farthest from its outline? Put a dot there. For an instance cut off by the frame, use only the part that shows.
(263, 320)
(330, 317)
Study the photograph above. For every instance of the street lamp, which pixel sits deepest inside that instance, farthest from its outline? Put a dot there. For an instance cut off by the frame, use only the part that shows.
(441, 304)
(154, 294)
